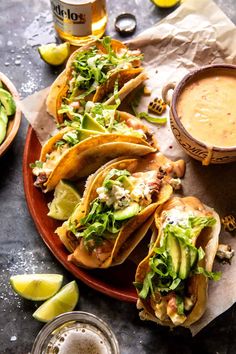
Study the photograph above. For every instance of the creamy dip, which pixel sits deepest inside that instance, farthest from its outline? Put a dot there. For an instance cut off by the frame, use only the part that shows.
(207, 109)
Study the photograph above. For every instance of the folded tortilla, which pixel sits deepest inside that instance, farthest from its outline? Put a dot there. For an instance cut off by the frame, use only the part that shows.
(116, 248)
(162, 306)
(128, 76)
(93, 150)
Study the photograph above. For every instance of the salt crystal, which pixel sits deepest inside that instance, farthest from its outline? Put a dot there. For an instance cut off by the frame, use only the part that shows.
(17, 62)
(13, 338)
(9, 43)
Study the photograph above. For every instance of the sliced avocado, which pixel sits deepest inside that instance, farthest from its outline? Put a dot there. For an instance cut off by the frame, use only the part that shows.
(1, 84)
(126, 182)
(8, 102)
(3, 130)
(128, 212)
(91, 124)
(193, 256)
(173, 248)
(85, 133)
(3, 114)
(185, 263)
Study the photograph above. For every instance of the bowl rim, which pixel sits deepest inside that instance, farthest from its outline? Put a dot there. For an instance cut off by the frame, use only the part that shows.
(176, 94)
(17, 116)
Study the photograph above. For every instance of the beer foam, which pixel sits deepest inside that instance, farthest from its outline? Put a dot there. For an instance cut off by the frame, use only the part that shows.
(79, 339)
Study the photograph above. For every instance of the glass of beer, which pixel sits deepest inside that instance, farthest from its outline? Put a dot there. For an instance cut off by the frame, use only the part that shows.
(76, 332)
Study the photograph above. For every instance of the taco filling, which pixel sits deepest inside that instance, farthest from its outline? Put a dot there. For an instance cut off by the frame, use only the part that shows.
(167, 287)
(121, 197)
(93, 73)
(97, 119)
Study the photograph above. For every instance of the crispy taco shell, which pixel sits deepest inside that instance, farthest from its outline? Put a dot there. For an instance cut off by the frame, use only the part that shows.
(84, 158)
(131, 232)
(131, 120)
(128, 79)
(93, 151)
(198, 284)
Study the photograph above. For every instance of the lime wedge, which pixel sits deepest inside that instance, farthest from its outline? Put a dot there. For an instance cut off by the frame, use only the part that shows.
(165, 3)
(54, 54)
(65, 300)
(36, 287)
(65, 199)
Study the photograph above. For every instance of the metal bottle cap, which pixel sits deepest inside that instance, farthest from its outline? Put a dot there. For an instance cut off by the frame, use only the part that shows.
(125, 23)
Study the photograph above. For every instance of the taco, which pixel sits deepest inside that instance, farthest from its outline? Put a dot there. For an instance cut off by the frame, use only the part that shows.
(98, 72)
(116, 211)
(84, 145)
(172, 280)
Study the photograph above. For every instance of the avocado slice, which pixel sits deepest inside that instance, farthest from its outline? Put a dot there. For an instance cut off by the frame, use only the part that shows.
(7, 101)
(126, 182)
(173, 249)
(128, 212)
(3, 114)
(91, 124)
(185, 261)
(85, 133)
(3, 130)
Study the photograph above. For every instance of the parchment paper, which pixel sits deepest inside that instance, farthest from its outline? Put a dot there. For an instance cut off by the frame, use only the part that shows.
(198, 33)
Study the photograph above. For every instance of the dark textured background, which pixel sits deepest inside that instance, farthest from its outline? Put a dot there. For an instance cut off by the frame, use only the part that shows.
(21, 248)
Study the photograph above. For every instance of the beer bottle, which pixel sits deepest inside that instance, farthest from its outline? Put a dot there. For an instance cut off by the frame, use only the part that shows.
(78, 21)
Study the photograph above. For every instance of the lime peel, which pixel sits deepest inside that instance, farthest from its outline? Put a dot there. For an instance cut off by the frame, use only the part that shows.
(65, 300)
(165, 3)
(36, 287)
(66, 198)
(54, 54)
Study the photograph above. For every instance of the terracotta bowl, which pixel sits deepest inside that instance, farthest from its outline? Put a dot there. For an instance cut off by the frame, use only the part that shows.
(193, 147)
(14, 121)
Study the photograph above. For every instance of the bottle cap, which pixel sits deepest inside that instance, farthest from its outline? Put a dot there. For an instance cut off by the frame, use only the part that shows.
(125, 23)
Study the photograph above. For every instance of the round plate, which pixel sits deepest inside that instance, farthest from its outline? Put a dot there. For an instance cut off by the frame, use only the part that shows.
(14, 122)
(116, 281)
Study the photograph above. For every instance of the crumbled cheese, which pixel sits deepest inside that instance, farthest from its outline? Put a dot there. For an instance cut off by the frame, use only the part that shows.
(176, 183)
(117, 196)
(225, 252)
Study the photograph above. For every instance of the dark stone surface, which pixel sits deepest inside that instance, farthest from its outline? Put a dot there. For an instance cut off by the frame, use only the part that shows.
(22, 250)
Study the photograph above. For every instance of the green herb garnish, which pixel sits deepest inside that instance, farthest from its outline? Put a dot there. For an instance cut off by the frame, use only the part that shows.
(37, 163)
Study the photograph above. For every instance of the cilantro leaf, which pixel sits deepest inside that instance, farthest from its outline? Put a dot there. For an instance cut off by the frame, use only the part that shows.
(37, 163)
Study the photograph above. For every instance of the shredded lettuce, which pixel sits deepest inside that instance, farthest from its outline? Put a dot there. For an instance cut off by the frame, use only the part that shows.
(211, 275)
(100, 223)
(115, 173)
(162, 276)
(92, 68)
(37, 163)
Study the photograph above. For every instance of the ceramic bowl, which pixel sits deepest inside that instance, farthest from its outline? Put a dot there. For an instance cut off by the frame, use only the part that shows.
(14, 121)
(193, 147)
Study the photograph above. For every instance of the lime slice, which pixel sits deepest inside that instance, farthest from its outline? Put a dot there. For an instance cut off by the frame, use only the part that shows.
(165, 3)
(65, 199)
(65, 300)
(54, 54)
(36, 287)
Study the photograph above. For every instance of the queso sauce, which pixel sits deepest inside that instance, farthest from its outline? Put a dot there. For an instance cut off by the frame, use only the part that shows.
(207, 109)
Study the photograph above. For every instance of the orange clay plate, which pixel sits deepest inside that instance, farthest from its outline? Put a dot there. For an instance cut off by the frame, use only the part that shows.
(116, 282)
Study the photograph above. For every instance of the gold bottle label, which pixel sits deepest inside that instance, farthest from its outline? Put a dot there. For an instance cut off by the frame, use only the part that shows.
(73, 17)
